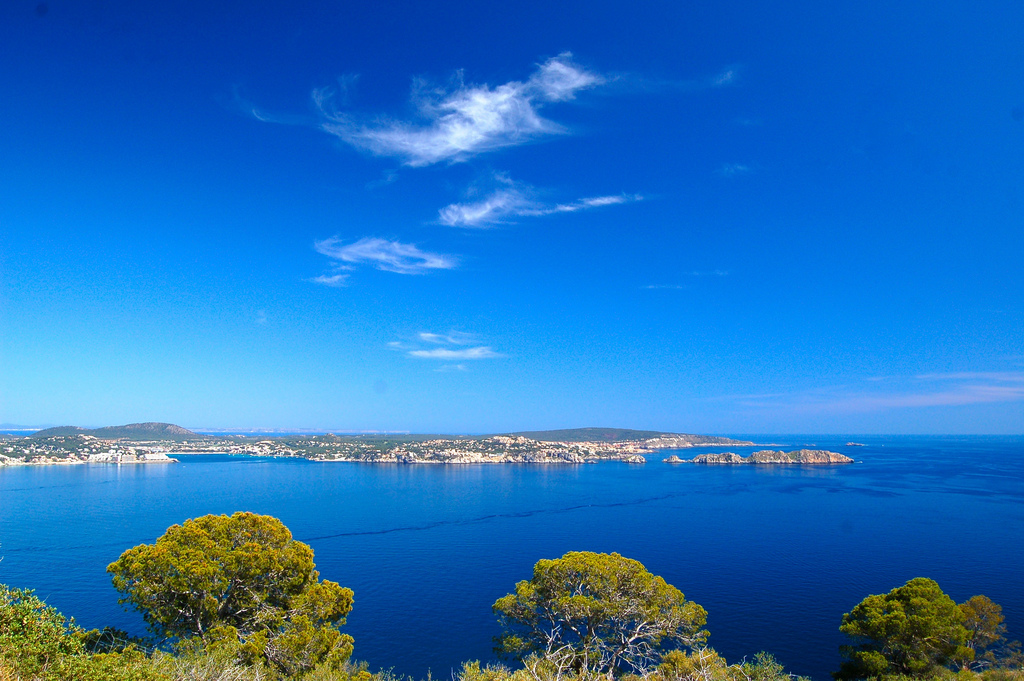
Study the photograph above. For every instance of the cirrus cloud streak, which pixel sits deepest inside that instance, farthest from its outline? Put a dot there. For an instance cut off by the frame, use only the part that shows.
(506, 203)
(453, 346)
(922, 391)
(381, 254)
(466, 120)
(479, 352)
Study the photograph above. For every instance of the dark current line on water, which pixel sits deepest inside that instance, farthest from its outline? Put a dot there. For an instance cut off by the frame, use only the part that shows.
(491, 516)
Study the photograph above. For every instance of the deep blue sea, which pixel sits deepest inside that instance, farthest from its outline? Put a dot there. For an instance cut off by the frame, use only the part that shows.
(775, 554)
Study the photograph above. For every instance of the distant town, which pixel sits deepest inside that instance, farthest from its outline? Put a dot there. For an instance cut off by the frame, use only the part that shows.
(159, 443)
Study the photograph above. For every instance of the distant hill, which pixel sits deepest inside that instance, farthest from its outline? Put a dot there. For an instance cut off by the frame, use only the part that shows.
(590, 435)
(60, 430)
(132, 431)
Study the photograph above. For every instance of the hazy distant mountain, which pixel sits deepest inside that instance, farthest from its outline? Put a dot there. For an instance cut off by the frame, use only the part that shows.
(132, 431)
(20, 426)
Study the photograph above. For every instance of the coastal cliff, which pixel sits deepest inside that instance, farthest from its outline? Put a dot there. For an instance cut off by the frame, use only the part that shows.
(768, 456)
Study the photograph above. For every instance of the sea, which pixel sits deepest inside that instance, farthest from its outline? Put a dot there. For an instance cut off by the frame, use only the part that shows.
(775, 554)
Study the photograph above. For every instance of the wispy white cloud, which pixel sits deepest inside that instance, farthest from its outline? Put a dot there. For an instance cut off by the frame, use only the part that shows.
(479, 352)
(954, 396)
(249, 108)
(464, 120)
(496, 208)
(450, 338)
(389, 177)
(890, 392)
(381, 254)
(734, 169)
(514, 199)
(445, 368)
(727, 77)
(995, 376)
(454, 346)
(390, 256)
(332, 280)
(627, 82)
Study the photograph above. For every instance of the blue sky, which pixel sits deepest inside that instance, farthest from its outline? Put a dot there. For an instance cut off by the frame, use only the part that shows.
(473, 217)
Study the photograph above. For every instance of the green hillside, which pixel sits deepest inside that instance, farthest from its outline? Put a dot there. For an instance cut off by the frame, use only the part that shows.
(131, 431)
(60, 431)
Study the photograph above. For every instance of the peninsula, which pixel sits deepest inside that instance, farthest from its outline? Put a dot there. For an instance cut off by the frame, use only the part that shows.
(158, 442)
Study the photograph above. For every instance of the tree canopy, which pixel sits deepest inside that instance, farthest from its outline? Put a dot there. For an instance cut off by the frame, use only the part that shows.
(596, 613)
(914, 630)
(242, 581)
(983, 620)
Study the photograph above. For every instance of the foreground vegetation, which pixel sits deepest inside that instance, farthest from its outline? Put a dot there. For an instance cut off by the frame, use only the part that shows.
(238, 599)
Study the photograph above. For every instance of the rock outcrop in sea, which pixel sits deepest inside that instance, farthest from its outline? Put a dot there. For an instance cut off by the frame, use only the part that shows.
(768, 456)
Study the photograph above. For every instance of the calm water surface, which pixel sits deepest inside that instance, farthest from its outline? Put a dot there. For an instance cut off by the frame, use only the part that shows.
(776, 555)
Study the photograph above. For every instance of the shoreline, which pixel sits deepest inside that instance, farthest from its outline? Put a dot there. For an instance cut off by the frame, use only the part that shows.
(16, 463)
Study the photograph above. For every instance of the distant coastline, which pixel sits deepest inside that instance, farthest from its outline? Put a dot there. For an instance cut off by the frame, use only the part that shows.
(157, 443)
(153, 442)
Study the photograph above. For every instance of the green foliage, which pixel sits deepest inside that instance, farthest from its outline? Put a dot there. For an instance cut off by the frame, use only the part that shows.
(596, 613)
(240, 585)
(37, 643)
(914, 630)
(472, 671)
(703, 664)
(1002, 673)
(110, 640)
(34, 638)
(764, 667)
